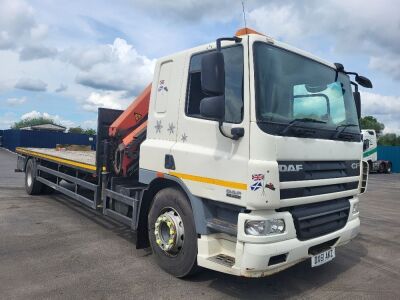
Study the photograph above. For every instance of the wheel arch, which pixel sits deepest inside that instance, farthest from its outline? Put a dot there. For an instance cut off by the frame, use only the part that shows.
(154, 186)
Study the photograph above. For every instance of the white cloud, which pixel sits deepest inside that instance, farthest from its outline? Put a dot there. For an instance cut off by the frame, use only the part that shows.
(86, 58)
(191, 10)
(385, 108)
(114, 100)
(16, 101)
(116, 67)
(353, 26)
(389, 64)
(6, 120)
(56, 118)
(281, 21)
(62, 87)
(30, 84)
(37, 52)
(90, 124)
(18, 25)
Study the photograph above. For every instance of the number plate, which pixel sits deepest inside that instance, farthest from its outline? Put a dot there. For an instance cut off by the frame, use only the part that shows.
(323, 257)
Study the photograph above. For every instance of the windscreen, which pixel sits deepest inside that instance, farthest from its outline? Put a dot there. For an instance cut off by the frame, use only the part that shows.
(291, 88)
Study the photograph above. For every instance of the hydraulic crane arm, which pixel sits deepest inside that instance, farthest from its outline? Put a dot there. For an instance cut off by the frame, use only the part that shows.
(128, 131)
(133, 116)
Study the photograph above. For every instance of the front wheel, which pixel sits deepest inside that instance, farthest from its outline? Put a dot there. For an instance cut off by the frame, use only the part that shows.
(172, 233)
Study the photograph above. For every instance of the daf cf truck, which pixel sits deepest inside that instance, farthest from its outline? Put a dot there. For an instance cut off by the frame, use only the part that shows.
(242, 156)
(370, 153)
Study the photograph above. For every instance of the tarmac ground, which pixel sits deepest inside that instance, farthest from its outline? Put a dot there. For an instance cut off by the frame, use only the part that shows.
(51, 247)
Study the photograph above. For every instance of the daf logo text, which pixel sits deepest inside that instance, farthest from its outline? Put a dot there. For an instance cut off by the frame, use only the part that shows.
(290, 168)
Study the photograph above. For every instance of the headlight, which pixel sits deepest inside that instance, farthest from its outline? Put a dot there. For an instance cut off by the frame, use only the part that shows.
(265, 227)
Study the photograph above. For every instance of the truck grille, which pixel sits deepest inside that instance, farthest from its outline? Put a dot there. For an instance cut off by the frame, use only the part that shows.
(317, 219)
(311, 170)
(297, 179)
(318, 190)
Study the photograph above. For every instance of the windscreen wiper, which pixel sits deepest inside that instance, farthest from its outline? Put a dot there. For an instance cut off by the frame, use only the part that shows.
(296, 121)
(339, 132)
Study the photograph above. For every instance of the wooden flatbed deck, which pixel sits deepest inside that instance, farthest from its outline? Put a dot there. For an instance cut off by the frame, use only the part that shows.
(85, 160)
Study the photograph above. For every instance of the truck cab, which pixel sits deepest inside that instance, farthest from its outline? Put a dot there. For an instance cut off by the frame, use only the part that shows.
(370, 153)
(276, 178)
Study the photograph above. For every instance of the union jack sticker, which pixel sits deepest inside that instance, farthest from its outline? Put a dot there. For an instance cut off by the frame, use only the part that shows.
(258, 180)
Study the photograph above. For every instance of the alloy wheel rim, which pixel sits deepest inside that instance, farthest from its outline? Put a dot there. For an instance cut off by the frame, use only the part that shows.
(169, 231)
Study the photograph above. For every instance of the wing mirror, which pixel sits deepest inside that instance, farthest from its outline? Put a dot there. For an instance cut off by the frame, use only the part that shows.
(213, 85)
(363, 81)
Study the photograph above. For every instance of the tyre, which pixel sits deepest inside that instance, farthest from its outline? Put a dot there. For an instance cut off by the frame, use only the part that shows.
(388, 169)
(47, 190)
(382, 167)
(32, 186)
(172, 233)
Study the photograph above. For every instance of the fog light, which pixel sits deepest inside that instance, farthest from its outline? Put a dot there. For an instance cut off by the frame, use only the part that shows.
(265, 227)
(355, 208)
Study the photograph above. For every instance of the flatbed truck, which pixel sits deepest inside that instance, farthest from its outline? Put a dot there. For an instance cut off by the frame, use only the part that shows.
(243, 156)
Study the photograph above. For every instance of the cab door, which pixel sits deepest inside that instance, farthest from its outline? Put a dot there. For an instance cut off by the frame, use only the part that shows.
(211, 165)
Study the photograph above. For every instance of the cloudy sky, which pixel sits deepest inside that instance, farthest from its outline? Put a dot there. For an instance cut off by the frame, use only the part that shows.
(64, 59)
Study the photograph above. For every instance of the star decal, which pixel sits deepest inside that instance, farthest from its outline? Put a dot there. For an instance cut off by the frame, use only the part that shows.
(171, 128)
(184, 138)
(158, 126)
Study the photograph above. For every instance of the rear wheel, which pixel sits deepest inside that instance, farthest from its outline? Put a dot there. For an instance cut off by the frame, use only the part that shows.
(172, 233)
(388, 168)
(47, 190)
(32, 186)
(382, 167)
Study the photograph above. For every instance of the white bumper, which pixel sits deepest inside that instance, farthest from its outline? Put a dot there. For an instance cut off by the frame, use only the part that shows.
(252, 255)
(255, 257)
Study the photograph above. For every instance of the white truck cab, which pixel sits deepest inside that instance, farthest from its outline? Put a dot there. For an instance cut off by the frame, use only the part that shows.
(272, 180)
(370, 153)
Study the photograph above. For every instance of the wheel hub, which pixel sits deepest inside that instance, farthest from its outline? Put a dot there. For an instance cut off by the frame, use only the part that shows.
(169, 232)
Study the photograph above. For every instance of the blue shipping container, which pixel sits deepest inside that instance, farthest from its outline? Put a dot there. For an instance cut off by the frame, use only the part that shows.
(391, 153)
(13, 138)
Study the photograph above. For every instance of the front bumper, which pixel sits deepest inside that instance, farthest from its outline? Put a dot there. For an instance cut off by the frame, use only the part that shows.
(255, 257)
(252, 256)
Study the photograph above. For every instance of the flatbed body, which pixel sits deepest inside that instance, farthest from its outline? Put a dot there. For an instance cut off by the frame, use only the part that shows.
(85, 160)
(75, 173)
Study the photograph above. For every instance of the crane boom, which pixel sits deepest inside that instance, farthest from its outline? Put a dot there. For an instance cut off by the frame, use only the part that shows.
(128, 131)
(133, 116)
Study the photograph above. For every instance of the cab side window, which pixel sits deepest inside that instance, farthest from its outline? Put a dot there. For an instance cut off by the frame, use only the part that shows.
(233, 57)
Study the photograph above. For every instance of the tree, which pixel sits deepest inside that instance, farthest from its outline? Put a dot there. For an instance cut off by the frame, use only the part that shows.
(80, 130)
(369, 122)
(389, 139)
(33, 122)
(76, 130)
(90, 131)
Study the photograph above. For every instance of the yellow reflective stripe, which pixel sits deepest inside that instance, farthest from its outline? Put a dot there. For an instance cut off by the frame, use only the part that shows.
(230, 184)
(56, 159)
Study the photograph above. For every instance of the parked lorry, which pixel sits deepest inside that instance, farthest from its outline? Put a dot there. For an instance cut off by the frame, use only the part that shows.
(370, 153)
(243, 156)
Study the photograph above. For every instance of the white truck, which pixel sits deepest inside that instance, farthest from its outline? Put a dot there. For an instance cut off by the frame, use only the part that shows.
(370, 153)
(243, 156)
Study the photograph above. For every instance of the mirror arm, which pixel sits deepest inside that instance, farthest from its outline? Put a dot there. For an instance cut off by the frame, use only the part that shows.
(220, 123)
(234, 39)
(355, 86)
(351, 73)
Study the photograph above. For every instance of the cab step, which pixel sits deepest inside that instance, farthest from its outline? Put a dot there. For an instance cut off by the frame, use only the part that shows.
(223, 259)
